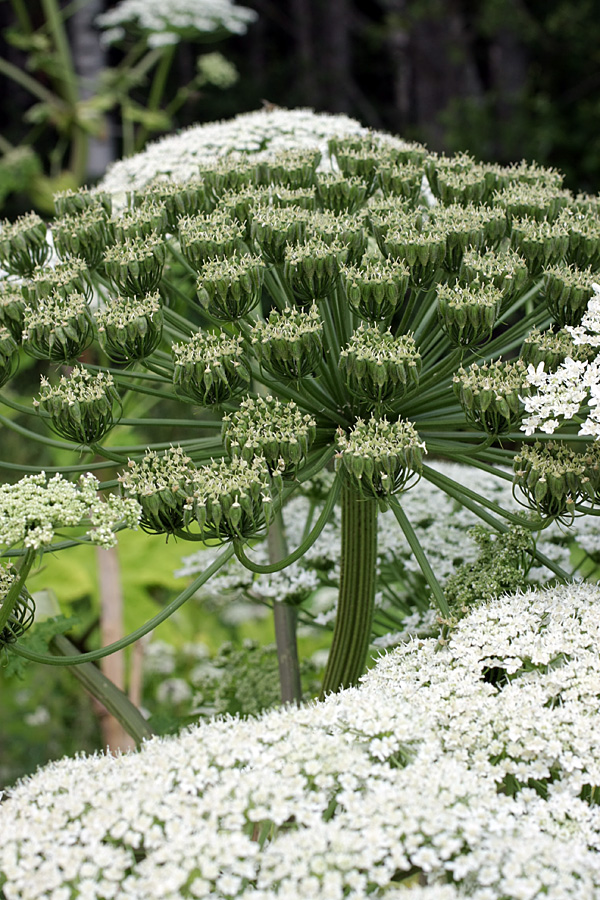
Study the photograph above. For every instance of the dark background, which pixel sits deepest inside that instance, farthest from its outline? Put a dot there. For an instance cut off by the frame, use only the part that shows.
(504, 79)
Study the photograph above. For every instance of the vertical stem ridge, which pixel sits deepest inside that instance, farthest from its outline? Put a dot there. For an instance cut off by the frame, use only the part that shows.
(352, 633)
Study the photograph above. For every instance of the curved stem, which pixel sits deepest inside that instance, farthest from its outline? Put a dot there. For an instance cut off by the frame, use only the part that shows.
(134, 635)
(304, 546)
(356, 601)
(10, 600)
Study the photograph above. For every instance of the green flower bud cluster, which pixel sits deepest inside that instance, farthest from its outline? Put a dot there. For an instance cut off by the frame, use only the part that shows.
(303, 198)
(211, 236)
(312, 269)
(503, 268)
(58, 328)
(23, 245)
(86, 234)
(232, 499)
(161, 483)
(8, 355)
(293, 168)
(552, 348)
(535, 174)
(379, 367)
(362, 158)
(71, 203)
(130, 330)
(147, 219)
(240, 205)
(421, 247)
(175, 199)
(376, 289)
(468, 227)
(345, 232)
(566, 292)
(23, 613)
(81, 406)
(339, 193)
(226, 174)
(210, 368)
(541, 243)
(554, 478)
(135, 267)
(468, 313)
(457, 179)
(12, 307)
(401, 180)
(63, 279)
(290, 344)
(490, 394)
(501, 567)
(534, 201)
(272, 429)
(229, 288)
(381, 458)
(274, 228)
(584, 238)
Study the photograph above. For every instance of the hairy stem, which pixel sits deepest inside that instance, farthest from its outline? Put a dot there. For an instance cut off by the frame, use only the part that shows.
(352, 633)
(285, 620)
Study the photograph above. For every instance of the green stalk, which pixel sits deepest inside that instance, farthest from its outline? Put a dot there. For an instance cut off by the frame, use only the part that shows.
(352, 633)
(99, 686)
(156, 91)
(10, 601)
(419, 554)
(285, 619)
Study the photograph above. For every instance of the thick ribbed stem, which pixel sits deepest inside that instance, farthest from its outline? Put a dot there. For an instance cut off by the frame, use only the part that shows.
(352, 633)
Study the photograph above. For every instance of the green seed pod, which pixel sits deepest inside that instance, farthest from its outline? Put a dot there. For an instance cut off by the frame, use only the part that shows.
(340, 194)
(292, 168)
(290, 345)
(344, 233)
(8, 355)
(490, 394)
(381, 458)
(584, 238)
(149, 219)
(71, 203)
(533, 201)
(456, 179)
(267, 427)
(206, 237)
(468, 314)
(379, 367)
(422, 250)
(566, 291)
(311, 270)
(130, 330)
(161, 484)
(64, 279)
(542, 244)
(467, 227)
(401, 180)
(23, 245)
(23, 612)
(376, 289)
(135, 267)
(554, 479)
(81, 407)
(58, 328)
(210, 368)
(230, 288)
(228, 174)
(12, 307)
(86, 235)
(175, 199)
(552, 348)
(232, 499)
(273, 228)
(504, 269)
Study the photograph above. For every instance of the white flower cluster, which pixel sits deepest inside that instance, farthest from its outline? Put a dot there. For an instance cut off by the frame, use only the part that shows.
(575, 384)
(464, 771)
(165, 22)
(260, 134)
(34, 509)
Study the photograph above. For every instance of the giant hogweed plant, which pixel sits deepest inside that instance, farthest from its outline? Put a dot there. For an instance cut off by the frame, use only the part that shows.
(288, 321)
